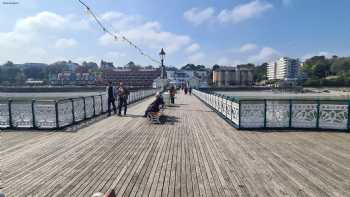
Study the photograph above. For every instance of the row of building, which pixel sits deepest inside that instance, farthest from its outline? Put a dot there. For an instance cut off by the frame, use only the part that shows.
(286, 69)
(241, 75)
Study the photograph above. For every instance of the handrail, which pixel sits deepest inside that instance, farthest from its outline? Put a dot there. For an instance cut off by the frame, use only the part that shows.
(292, 114)
(46, 114)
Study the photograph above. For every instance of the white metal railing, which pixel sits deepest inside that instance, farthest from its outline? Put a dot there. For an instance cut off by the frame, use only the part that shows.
(280, 113)
(56, 114)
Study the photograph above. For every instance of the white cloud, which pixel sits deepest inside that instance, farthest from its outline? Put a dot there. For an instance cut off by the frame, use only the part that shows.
(193, 48)
(244, 12)
(248, 47)
(64, 43)
(196, 58)
(198, 16)
(34, 35)
(43, 20)
(147, 34)
(235, 15)
(266, 54)
(46, 21)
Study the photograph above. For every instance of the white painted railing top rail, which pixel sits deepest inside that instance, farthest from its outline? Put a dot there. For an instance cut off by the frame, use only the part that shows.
(40, 114)
(280, 114)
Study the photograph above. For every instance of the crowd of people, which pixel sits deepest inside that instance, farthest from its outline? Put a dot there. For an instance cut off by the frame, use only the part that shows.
(120, 94)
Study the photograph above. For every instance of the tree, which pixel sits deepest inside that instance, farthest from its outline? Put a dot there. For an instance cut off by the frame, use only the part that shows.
(260, 72)
(8, 64)
(321, 70)
(215, 67)
(341, 66)
(35, 72)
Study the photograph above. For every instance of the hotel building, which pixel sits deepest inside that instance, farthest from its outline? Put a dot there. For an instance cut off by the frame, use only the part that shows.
(284, 69)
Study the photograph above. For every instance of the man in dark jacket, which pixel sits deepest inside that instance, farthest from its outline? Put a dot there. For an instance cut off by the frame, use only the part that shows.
(111, 93)
(123, 95)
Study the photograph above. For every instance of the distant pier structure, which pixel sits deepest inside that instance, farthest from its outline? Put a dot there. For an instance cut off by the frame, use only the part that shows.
(226, 76)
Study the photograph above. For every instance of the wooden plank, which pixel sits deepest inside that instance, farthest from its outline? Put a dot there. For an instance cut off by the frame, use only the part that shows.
(198, 154)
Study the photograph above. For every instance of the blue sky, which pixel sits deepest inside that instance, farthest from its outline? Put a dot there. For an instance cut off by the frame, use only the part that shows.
(206, 32)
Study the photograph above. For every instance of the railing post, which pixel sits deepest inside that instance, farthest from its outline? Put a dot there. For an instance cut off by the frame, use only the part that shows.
(232, 99)
(318, 114)
(10, 113)
(93, 104)
(265, 112)
(290, 112)
(73, 110)
(33, 114)
(101, 104)
(57, 118)
(226, 98)
(239, 114)
(348, 115)
(84, 108)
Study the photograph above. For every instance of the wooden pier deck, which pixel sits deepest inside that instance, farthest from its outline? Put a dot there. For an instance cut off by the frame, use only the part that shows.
(196, 153)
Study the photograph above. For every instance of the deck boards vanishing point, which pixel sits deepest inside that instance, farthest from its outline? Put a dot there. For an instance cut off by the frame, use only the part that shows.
(195, 153)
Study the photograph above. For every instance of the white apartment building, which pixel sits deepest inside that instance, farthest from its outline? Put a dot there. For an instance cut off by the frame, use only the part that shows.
(284, 69)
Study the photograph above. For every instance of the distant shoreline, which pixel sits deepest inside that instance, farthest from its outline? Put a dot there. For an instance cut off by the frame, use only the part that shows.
(54, 89)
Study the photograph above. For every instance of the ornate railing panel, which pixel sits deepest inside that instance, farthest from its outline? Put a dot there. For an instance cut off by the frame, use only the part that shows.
(304, 115)
(89, 105)
(98, 103)
(333, 116)
(22, 115)
(105, 103)
(252, 114)
(4, 115)
(235, 112)
(45, 115)
(79, 113)
(65, 115)
(52, 114)
(280, 114)
(277, 114)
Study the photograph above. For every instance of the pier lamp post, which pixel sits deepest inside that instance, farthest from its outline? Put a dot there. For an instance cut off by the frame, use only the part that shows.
(163, 77)
(162, 56)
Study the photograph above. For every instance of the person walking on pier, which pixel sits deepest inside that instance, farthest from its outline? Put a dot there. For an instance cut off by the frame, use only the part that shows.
(172, 93)
(123, 95)
(111, 95)
(190, 90)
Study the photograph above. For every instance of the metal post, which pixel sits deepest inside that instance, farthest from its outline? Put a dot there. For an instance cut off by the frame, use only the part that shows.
(84, 108)
(57, 119)
(290, 112)
(73, 110)
(226, 98)
(239, 114)
(101, 104)
(10, 113)
(93, 104)
(232, 99)
(348, 115)
(265, 111)
(318, 114)
(33, 114)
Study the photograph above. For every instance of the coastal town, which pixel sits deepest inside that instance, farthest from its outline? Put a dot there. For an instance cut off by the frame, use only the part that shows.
(174, 98)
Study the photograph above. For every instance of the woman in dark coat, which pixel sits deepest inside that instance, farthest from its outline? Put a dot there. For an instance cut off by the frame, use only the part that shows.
(155, 105)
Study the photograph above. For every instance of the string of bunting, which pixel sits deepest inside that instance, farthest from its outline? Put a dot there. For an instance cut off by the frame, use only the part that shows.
(115, 37)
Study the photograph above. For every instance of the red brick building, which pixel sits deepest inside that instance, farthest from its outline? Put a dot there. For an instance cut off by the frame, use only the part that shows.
(139, 77)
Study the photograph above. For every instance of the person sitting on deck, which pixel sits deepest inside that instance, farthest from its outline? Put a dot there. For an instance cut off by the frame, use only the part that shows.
(155, 106)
